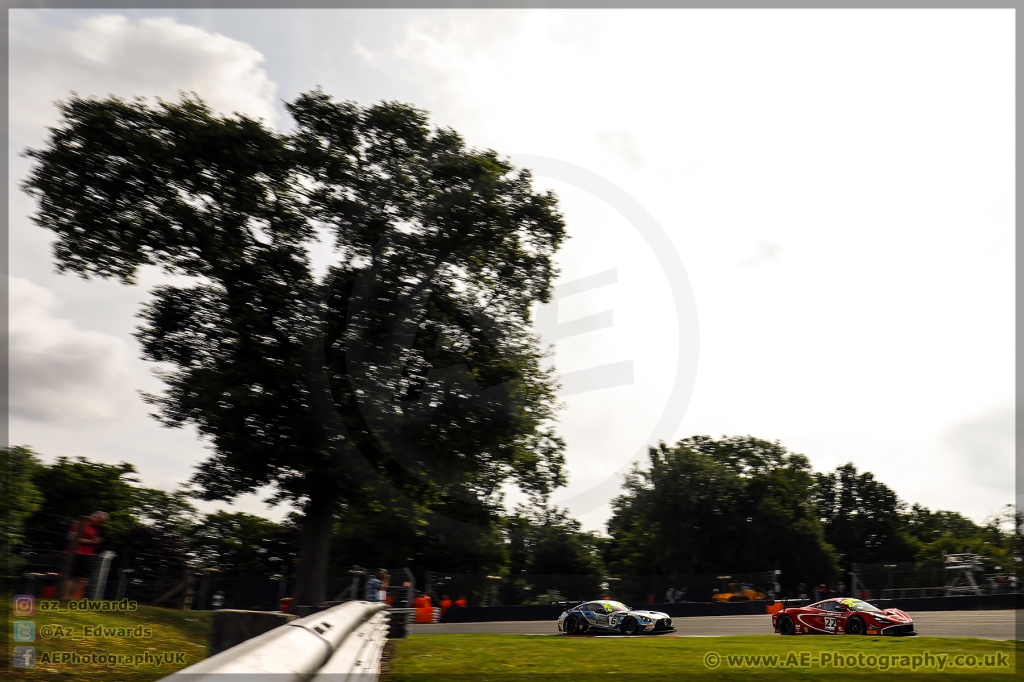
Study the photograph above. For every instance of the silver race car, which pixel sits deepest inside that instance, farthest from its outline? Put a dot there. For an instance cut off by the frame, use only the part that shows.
(612, 616)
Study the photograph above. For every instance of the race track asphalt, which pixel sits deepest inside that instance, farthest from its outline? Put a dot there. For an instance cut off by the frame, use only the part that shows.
(981, 624)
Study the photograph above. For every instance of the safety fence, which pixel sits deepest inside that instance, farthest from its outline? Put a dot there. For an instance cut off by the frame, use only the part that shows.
(530, 589)
(163, 585)
(343, 642)
(958, 575)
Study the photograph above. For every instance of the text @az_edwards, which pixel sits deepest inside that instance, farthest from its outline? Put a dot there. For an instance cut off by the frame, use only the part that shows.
(94, 632)
(838, 661)
(91, 605)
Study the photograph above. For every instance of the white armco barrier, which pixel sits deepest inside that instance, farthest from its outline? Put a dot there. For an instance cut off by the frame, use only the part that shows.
(349, 634)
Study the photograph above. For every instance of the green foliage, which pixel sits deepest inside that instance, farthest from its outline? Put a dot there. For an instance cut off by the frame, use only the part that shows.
(19, 500)
(391, 536)
(862, 516)
(407, 375)
(704, 506)
(76, 487)
(946, 532)
(242, 544)
(546, 541)
(557, 546)
(167, 511)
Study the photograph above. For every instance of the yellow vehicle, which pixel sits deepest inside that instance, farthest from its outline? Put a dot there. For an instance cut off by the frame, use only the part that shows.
(734, 591)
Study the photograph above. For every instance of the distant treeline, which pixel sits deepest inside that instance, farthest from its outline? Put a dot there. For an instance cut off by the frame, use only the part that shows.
(738, 504)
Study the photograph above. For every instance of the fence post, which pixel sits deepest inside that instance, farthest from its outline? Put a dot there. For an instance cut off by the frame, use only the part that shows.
(204, 591)
(122, 582)
(158, 588)
(190, 582)
(99, 576)
(282, 586)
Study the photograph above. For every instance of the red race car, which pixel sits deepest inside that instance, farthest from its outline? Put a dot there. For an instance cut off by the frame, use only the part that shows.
(842, 617)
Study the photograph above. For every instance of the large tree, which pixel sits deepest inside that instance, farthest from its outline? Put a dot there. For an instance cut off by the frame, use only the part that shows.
(863, 517)
(738, 504)
(405, 375)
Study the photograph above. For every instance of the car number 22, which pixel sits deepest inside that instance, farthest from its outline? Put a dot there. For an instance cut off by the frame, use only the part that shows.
(830, 623)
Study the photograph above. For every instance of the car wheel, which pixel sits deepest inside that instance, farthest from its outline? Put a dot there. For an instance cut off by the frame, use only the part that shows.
(630, 626)
(855, 626)
(785, 625)
(571, 625)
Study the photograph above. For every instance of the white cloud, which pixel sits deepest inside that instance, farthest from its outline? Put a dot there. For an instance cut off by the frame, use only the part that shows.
(765, 253)
(112, 55)
(61, 373)
(985, 447)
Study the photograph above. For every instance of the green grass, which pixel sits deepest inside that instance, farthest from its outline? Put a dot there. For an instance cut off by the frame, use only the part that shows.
(462, 658)
(170, 631)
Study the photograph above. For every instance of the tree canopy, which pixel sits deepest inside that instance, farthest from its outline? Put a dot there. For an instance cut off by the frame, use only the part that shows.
(406, 375)
(703, 506)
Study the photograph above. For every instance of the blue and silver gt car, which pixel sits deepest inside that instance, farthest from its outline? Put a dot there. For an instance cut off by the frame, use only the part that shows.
(612, 616)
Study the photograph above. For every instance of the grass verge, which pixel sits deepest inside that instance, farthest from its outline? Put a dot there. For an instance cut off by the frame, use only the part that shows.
(497, 658)
(140, 640)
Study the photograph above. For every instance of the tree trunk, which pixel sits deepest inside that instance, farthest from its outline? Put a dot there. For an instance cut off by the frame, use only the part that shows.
(311, 574)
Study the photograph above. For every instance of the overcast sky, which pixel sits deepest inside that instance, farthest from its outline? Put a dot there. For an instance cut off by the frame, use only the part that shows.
(831, 191)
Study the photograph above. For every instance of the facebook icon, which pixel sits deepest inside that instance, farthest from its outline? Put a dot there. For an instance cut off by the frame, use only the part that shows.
(24, 657)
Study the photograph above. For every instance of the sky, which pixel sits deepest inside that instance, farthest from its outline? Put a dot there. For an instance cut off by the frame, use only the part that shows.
(792, 224)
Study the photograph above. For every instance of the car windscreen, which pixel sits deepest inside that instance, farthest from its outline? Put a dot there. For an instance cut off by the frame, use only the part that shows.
(612, 606)
(858, 605)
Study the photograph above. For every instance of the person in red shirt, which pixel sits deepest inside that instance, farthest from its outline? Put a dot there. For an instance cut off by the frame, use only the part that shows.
(461, 601)
(446, 603)
(88, 540)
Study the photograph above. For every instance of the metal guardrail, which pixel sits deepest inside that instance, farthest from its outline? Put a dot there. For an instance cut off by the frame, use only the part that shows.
(341, 643)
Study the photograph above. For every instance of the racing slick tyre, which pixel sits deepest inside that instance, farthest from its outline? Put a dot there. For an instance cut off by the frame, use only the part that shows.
(785, 625)
(572, 626)
(630, 626)
(855, 626)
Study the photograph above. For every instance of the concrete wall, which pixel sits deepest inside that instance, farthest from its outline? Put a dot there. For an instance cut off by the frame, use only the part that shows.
(481, 614)
(231, 627)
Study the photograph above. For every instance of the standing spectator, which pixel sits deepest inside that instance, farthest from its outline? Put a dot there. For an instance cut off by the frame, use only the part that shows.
(801, 591)
(841, 589)
(425, 611)
(84, 540)
(377, 586)
(218, 600)
(1013, 582)
(681, 594)
(670, 596)
(446, 603)
(461, 601)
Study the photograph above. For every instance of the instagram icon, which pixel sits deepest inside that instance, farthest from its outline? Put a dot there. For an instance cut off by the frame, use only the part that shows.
(24, 605)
